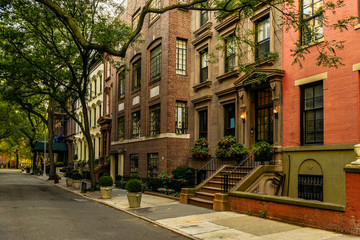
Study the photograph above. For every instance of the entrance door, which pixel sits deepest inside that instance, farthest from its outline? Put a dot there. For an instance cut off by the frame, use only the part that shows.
(264, 116)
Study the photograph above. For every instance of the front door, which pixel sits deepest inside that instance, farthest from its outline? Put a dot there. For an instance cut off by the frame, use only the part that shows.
(264, 116)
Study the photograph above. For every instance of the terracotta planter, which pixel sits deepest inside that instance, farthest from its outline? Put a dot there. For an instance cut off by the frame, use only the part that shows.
(134, 199)
(76, 184)
(105, 192)
(69, 182)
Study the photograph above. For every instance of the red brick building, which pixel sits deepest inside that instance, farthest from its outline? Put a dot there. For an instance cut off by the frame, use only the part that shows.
(150, 97)
(321, 109)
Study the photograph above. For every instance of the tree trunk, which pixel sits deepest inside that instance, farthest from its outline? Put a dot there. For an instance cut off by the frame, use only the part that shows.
(17, 159)
(51, 138)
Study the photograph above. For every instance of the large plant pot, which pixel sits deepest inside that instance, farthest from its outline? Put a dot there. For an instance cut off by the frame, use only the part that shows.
(76, 184)
(69, 182)
(134, 199)
(105, 192)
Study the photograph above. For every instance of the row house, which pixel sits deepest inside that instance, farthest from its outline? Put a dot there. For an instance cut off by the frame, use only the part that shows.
(148, 97)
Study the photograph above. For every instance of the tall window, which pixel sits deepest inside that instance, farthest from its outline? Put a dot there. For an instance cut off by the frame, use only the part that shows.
(204, 17)
(312, 114)
(95, 87)
(155, 120)
(107, 104)
(204, 65)
(121, 85)
(95, 117)
(90, 91)
(155, 64)
(264, 116)
(134, 163)
(229, 119)
(312, 21)
(121, 128)
(136, 124)
(181, 56)
(203, 124)
(262, 39)
(136, 76)
(89, 117)
(230, 52)
(155, 4)
(180, 118)
(153, 159)
(135, 19)
(101, 82)
(310, 187)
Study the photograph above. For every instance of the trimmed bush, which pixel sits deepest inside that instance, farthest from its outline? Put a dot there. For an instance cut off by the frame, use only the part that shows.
(68, 174)
(154, 184)
(106, 181)
(134, 185)
(135, 176)
(76, 176)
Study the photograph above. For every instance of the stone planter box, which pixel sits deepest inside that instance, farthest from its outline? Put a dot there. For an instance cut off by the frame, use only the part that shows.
(69, 182)
(134, 199)
(105, 192)
(76, 184)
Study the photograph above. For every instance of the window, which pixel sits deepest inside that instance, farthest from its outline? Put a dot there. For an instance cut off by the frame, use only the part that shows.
(121, 85)
(180, 118)
(264, 116)
(181, 50)
(135, 19)
(99, 148)
(204, 17)
(204, 65)
(100, 112)
(95, 117)
(90, 91)
(101, 83)
(155, 64)
(107, 104)
(121, 128)
(95, 87)
(136, 76)
(153, 159)
(108, 69)
(155, 120)
(310, 187)
(230, 52)
(229, 119)
(153, 16)
(312, 114)
(89, 118)
(262, 39)
(203, 124)
(311, 24)
(134, 163)
(136, 124)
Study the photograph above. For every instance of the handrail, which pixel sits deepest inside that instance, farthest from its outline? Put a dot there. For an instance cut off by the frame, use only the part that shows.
(225, 176)
(208, 163)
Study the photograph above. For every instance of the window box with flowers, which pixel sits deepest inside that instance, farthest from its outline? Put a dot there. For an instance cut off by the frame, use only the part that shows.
(227, 147)
(264, 151)
(200, 149)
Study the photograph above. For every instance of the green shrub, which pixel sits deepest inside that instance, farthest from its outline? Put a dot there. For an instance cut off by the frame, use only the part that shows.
(224, 144)
(186, 174)
(134, 185)
(154, 184)
(68, 174)
(264, 151)
(106, 181)
(108, 160)
(81, 163)
(76, 176)
(200, 149)
(135, 176)
(59, 164)
(237, 150)
(75, 157)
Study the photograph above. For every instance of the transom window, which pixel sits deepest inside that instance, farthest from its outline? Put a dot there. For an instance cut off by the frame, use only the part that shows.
(155, 4)
(153, 159)
(262, 39)
(229, 119)
(264, 116)
(134, 163)
(203, 123)
(312, 21)
(230, 53)
(180, 118)
(181, 55)
(136, 76)
(312, 114)
(121, 84)
(310, 187)
(204, 65)
(155, 64)
(136, 124)
(121, 128)
(155, 120)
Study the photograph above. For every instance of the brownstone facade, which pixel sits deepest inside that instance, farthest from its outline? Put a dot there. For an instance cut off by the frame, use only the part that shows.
(151, 97)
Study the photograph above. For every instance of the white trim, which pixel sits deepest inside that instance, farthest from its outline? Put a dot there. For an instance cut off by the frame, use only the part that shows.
(311, 79)
(356, 67)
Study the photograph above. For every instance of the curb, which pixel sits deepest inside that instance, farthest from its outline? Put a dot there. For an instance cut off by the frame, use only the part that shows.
(124, 211)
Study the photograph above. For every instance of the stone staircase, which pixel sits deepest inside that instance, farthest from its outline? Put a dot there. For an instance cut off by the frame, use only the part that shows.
(205, 195)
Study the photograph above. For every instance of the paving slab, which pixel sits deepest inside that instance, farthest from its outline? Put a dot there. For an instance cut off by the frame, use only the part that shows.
(301, 234)
(199, 227)
(255, 225)
(228, 234)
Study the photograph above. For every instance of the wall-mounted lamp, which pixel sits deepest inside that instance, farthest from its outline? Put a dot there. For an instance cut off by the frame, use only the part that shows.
(124, 150)
(243, 116)
(276, 111)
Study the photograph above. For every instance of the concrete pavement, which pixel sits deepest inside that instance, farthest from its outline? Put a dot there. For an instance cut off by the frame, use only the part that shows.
(201, 223)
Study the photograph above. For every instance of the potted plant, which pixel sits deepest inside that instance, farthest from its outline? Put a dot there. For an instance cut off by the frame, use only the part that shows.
(200, 149)
(106, 183)
(237, 151)
(263, 151)
(134, 188)
(69, 180)
(223, 146)
(76, 177)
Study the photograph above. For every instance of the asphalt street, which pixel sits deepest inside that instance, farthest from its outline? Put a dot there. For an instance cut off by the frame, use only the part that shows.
(33, 209)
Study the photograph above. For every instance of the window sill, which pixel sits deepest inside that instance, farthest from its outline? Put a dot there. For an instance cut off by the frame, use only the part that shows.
(313, 43)
(203, 28)
(202, 85)
(135, 91)
(357, 26)
(227, 75)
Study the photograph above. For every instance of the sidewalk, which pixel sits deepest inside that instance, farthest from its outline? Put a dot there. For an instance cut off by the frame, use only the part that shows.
(201, 223)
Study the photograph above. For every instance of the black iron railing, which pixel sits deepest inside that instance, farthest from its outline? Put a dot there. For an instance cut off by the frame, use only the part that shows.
(231, 178)
(211, 167)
